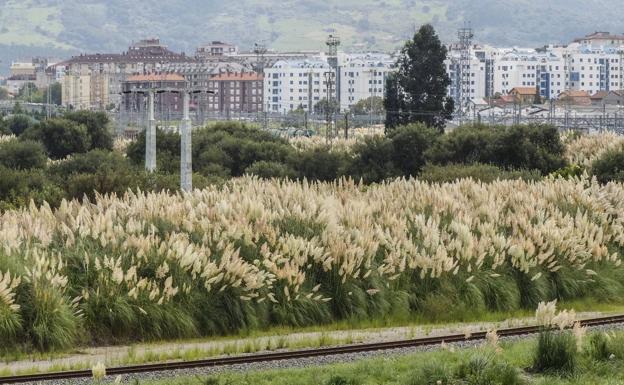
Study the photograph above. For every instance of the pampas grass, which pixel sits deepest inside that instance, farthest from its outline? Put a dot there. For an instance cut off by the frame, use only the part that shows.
(254, 253)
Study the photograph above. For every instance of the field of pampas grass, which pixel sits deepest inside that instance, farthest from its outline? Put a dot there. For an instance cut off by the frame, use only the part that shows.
(253, 254)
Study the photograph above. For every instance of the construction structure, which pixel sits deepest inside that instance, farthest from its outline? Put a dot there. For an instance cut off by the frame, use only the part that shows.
(185, 129)
(465, 36)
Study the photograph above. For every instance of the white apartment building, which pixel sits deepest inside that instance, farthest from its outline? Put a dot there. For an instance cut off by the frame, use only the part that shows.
(594, 70)
(475, 84)
(362, 76)
(290, 84)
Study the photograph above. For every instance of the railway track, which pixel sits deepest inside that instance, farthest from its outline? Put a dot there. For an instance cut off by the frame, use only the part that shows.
(307, 353)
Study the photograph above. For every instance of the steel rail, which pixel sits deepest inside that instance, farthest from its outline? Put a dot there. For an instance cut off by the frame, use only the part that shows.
(305, 353)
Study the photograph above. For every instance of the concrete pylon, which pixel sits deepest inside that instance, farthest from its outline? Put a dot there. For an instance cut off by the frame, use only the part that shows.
(186, 162)
(150, 136)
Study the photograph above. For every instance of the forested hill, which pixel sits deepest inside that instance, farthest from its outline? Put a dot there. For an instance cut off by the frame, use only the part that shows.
(65, 26)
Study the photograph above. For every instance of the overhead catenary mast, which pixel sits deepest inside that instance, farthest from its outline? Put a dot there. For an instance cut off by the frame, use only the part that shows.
(465, 36)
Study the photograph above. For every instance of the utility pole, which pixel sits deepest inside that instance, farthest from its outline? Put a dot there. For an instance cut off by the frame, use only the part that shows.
(346, 132)
(329, 79)
(150, 135)
(465, 36)
(186, 160)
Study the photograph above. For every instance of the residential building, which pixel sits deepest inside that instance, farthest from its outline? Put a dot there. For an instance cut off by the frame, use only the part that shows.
(362, 76)
(290, 84)
(236, 92)
(601, 39)
(575, 98)
(470, 87)
(215, 49)
(105, 73)
(594, 70)
(614, 98)
(524, 95)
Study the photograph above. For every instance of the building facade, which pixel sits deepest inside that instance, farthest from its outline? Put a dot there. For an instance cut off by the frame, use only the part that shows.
(289, 85)
(362, 76)
(236, 92)
(104, 74)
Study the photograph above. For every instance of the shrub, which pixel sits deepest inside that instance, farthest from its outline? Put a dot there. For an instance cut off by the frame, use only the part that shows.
(96, 171)
(19, 187)
(373, 160)
(319, 164)
(480, 172)
(223, 149)
(487, 370)
(569, 171)
(432, 373)
(599, 347)
(17, 124)
(22, 155)
(97, 124)
(167, 151)
(610, 166)
(517, 147)
(267, 169)
(61, 137)
(409, 144)
(556, 352)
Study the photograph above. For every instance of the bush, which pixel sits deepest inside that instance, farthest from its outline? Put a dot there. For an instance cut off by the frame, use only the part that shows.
(97, 124)
(266, 169)
(373, 160)
(19, 187)
(319, 164)
(22, 155)
(556, 353)
(97, 171)
(487, 370)
(61, 137)
(409, 145)
(517, 147)
(609, 167)
(17, 124)
(167, 151)
(224, 149)
(432, 373)
(481, 172)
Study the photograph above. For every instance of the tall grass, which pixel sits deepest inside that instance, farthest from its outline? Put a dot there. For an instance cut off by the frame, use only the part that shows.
(252, 254)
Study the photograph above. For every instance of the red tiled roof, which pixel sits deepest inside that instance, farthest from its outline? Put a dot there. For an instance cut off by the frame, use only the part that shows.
(524, 90)
(240, 76)
(575, 94)
(600, 95)
(600, 36)
(156, 78)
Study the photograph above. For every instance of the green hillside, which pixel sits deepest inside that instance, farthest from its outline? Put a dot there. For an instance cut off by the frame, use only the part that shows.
(66, 26)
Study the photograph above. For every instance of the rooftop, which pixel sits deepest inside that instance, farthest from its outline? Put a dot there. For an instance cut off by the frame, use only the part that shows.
(600, 36)
(530, 91)
(159, 77)
(240, 76)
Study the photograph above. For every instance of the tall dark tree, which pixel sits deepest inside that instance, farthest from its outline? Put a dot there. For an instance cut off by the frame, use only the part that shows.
(418, 90)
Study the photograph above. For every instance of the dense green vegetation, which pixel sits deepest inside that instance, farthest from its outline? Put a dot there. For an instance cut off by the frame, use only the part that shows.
(226, 150)
(610, 166)
(232, 149)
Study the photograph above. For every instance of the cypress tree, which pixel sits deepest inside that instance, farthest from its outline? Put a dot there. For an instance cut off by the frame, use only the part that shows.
(417, 92)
